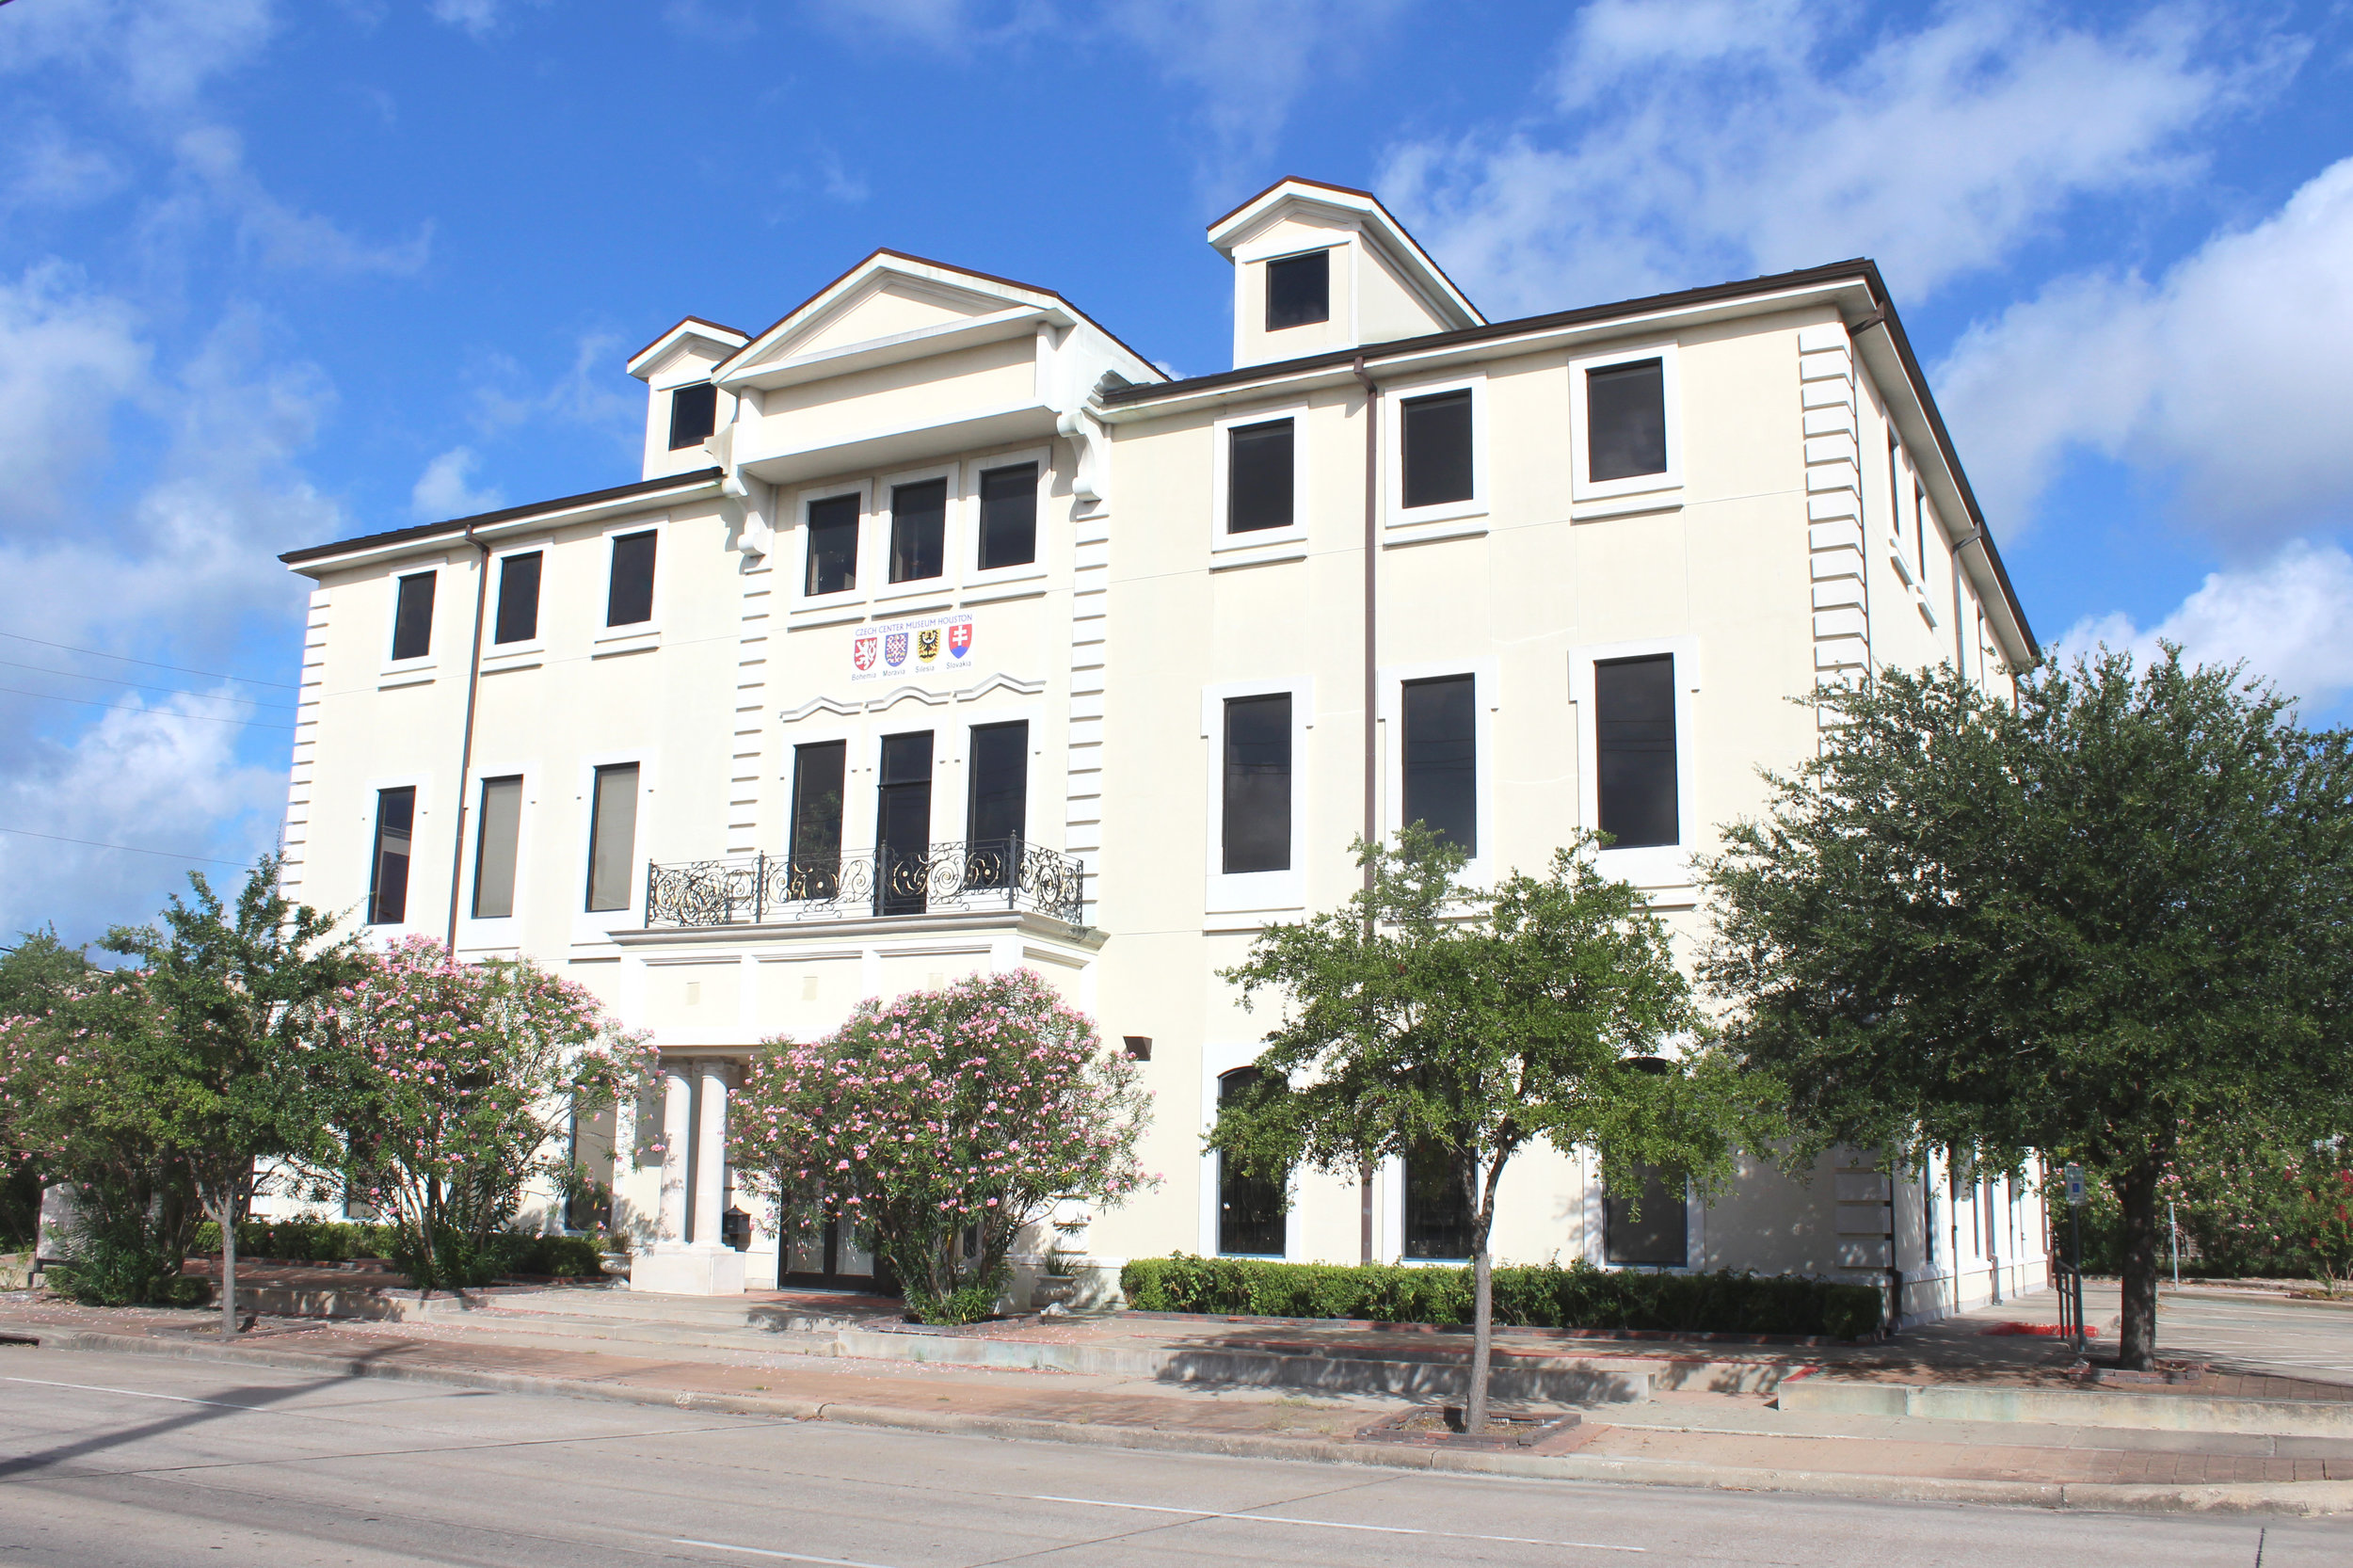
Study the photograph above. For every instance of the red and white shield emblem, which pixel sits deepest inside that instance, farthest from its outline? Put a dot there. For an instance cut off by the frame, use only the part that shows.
(959, 638)
(864, 651)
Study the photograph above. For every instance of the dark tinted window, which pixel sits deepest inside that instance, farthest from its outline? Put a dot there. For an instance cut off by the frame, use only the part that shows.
(1437, 1204)
(1626, 420)
(495, 837)
(412, 618)
(1437, 442)
(613, 838)
(1298, 291)
(1257, 815)
(996, 816)
(693, 414)
(629, 599)
(1634, 727)
(1659, 1234)
(918, 530)
(902, 815)
(1009, 517)
(1441, 758)
(1249, 1207)
(816, 848)
(387, 872)
(519, 599)
(832, 545)
(1258, 477)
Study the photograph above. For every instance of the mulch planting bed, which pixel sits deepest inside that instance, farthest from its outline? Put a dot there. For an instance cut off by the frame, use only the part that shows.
(1440, 1426)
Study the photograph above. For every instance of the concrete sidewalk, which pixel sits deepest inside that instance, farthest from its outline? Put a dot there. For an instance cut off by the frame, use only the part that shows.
(1676, 1413)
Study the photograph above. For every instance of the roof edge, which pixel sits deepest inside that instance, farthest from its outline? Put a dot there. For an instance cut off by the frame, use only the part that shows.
(691, 480)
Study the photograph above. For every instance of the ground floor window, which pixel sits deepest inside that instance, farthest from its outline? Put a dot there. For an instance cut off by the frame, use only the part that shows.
(1659, 1234)
(1250, 1218)
(1437, 1202)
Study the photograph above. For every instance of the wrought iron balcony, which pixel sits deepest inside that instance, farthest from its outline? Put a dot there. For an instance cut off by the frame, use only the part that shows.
(759, 890)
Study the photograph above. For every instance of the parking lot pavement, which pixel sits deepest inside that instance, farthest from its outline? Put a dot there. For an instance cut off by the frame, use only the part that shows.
(2295, 1338)
(121, 1459)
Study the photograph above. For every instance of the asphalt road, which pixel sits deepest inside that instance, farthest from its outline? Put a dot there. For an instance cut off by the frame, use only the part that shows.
(133, 1460)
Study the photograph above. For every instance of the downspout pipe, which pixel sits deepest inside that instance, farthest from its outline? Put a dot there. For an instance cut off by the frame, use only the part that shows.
(1372, 707)
(465, 749)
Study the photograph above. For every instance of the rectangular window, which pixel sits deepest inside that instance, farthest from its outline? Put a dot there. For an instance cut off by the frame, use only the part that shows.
(1258, 477)
(694, 415)
(918, 530)
(832, 545)
(1437, 1202)
(902, 815)
(1258, 833)
(1437, 449)
(818, 773)
(613, 838)
(1250, 1217)
(495, 837)
(1626, 420)
(1298, 291)
(412, 616)
(387, 872)
(997, 813)
(519, 599)
(1441, 758)
(1634, 734)
(628, 600)
(1659, 1235)
(1920, 532)
(1008, 517)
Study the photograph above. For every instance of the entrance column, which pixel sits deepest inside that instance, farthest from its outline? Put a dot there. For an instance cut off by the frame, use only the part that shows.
(711, 1153)
(678, 1114)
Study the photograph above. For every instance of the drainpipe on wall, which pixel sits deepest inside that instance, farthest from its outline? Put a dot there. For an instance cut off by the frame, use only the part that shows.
(1372, 707)
(465, 750)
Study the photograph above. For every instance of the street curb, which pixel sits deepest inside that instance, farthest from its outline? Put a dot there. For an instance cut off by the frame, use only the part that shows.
(2305, 1499)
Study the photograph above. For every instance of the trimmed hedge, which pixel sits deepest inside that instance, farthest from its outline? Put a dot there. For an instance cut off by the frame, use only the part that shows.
(1540, 1296)
(335, 1242)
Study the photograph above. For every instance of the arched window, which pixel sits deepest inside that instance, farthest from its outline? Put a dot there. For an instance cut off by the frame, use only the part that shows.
(1250, 1220)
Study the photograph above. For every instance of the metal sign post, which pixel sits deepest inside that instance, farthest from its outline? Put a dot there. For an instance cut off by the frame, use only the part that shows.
(2075, 1234)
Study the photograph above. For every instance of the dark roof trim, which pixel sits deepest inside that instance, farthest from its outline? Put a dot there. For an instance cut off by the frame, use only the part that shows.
(484, 520)
(1861, 267)
(699, 321)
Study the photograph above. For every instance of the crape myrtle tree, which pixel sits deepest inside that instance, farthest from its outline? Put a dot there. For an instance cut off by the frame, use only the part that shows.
(1426, 1016)
(2078, 924)
(935, 1126)
(467, 1078)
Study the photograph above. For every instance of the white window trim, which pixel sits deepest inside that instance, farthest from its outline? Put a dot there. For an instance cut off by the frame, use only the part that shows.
(814, 605)
(1217, 1058)
(1347, 272)
(1273, 892)
(1652, 486)
(1597, 1231)
(597, 926)
(1284, 543)
(959, 768)
(637, 633)
(531, 649)
(1652, 865)
(879, 728)
(1400, 516)
(499, 931)
(964, 540)
(1487, 674)
(420, 670)
(899, 597)
(386, 935)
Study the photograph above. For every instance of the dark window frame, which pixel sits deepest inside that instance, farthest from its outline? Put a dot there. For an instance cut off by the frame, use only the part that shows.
(1618, 375)
(1242, 477)
(1266, 1216)
(1623, 1242)
(1423, 411)
(993, 847)
(413, 616)
(694, 404)
(1298, 290)
(815, 856)
(512, 854)
(595, 828)
(1433, 1221)
(916, 541)
(622, 595)
(529, 579)
(389, 906)
(1018, 536)
(856, 528)
(1626, 746)
(1233, 791)
(1409, 744)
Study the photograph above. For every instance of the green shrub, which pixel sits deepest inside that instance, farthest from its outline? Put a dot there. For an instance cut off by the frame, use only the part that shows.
(967, 1303)
(301, 1241)
(126, 1250)
(463, 1261)
(1540, 1296)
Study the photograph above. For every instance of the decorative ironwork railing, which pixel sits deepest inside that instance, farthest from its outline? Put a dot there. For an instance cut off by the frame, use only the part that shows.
(757, 889)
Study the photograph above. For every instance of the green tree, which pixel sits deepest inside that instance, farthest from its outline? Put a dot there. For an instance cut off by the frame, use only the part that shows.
(2077, 925)
(35, 975)
(228, 1065)
(1425, 1016)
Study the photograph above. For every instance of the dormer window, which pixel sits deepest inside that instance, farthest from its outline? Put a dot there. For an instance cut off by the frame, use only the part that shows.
(1298, 290)
(694, 415)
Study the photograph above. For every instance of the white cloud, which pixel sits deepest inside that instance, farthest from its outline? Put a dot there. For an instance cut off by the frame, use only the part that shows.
(2290, 619)
(47, 167)
(2233, 370)
(442, 490)
(480, 18)
(67, 357)
(159, 54)
(214, 155)
(1692, 143)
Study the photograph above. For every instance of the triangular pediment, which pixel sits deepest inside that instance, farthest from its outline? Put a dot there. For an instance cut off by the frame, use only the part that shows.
(886, 298)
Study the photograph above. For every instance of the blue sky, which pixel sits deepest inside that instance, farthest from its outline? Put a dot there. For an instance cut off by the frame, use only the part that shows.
(275, 273)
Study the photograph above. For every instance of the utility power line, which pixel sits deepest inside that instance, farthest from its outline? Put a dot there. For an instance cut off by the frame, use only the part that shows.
(128, 849)
(126, 708)
(178, 669)
(277, 703)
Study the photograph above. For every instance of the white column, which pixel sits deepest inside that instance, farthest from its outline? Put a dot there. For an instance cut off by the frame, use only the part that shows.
(678, 1108)
(711, 1152)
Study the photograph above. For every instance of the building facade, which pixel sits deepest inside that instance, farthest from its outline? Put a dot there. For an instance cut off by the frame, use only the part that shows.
(945, 634)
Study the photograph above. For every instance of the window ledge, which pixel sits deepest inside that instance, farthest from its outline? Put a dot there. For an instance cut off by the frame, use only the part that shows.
(514, 656)
(1443, 511)
(1028, 586)
(1626, 506)
(1277, 546)
(1467, 526)
(635, 640)
(900, 599)
(405, 672)
(826, 612)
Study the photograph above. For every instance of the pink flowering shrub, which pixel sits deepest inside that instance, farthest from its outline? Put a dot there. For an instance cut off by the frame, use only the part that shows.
(935, 1126)
(468, 1073)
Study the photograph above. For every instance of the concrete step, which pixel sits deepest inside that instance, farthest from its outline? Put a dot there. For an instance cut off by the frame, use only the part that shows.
(2079, 1407)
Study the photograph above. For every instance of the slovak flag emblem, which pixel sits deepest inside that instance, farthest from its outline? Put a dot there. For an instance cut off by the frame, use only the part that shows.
(895, 650)
(959, 639)
(865, 651)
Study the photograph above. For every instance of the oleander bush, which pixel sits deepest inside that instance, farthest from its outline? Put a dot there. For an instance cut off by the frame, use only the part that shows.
(1536, 1296)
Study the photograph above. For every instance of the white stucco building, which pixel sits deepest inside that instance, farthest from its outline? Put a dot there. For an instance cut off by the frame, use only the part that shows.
(944, 632)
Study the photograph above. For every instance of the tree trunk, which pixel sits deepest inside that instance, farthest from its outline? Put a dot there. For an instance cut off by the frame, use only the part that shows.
(2137, 1190)
(1483, 1294)
(225, 1212)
